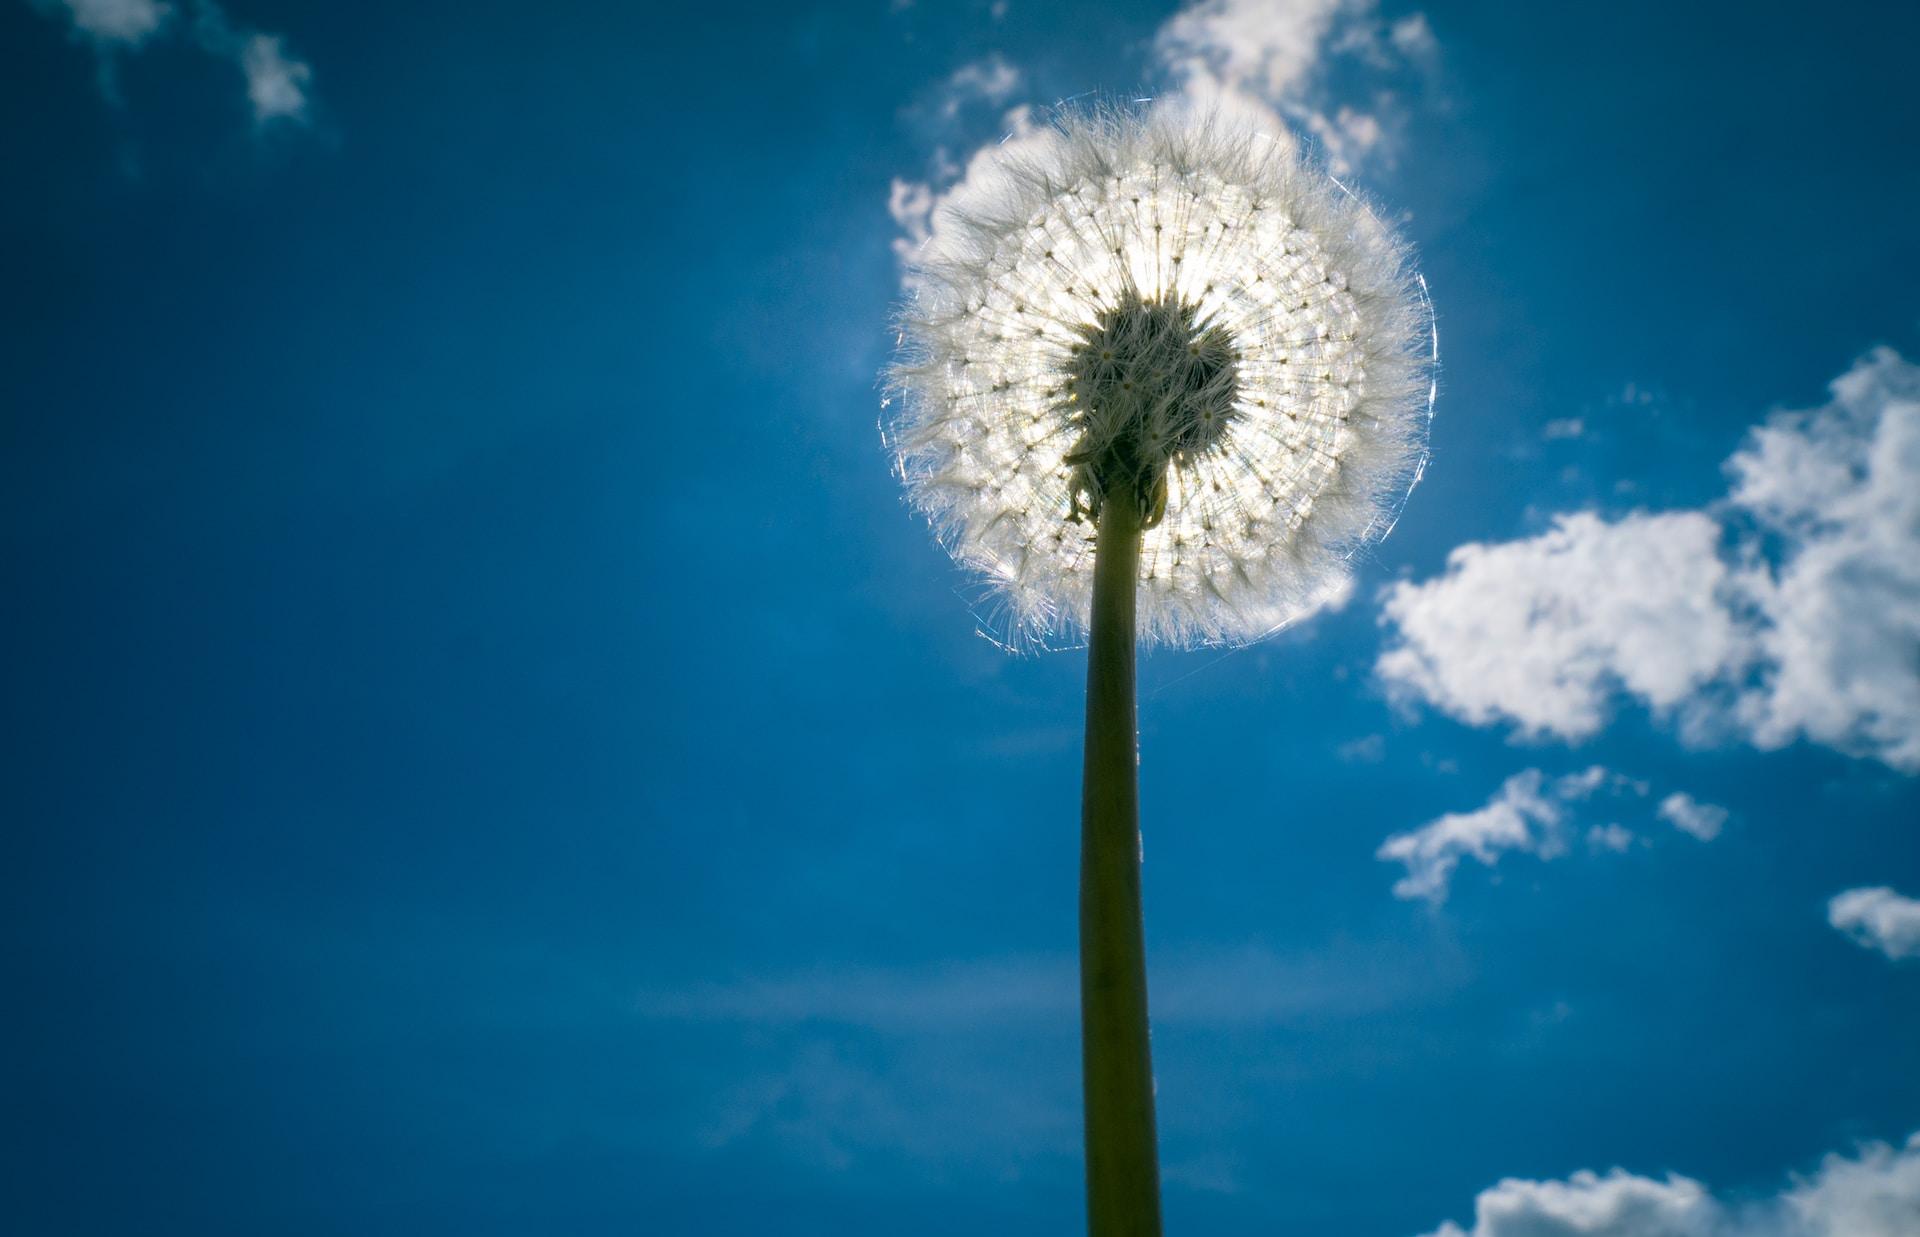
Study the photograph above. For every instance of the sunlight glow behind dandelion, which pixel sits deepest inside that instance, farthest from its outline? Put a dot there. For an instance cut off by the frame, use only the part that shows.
(1176, 302)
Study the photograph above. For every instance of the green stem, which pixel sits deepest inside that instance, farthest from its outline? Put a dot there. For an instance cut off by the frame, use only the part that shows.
(1123, 1172)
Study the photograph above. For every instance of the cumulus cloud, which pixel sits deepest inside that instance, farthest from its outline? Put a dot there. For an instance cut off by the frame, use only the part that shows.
(1840, 485)
(1874, 1192)
(1543, 632)
(1791, 609)
(1878, 918)
(1616, 1205)
(1689, 815)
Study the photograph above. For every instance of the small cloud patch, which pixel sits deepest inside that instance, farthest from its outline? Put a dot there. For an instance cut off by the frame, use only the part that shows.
(1877, 918)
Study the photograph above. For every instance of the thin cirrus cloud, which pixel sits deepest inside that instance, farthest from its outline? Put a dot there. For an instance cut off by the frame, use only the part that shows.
(921, 1063)
(279, 86)
(1872, 1192)
(1877, 918)
(1531, 814)
(1789, 610)
(1193, 988)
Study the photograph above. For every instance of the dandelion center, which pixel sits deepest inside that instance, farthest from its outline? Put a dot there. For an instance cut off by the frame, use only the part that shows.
(1152, 385)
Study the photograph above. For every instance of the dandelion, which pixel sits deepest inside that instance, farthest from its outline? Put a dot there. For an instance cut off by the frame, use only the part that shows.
(1157, 381)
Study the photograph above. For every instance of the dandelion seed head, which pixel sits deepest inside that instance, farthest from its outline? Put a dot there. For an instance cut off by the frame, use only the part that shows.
(1170, 302)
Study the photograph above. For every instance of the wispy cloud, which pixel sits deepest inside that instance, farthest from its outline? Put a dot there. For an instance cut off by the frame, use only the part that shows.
(1791, 609)
(990, 80)
(1531, 814)
(944, 997)
(1332, 70)
(278, 85)
(1277, 60)
(971, 1063)
(1196, 988)
(833, 1106)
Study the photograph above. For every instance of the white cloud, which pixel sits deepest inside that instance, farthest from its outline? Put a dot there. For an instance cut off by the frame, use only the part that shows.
(1348, 136)
(1792, 609)
(276, 86)
(1878, 918)
(1258, 59)
(1413, 36)
(1269, 58)
(1542, 632)
(988, 80)
(1873, 1193)
(1613, 837)
(128, 22)
(1577, 786)
(1268, 47)
(915, 205)
(1520, 817)
(1367, 749)
(911, 203)
(1841, 485)
(1689, 815)
(1530, 814)
(1616, 1205)
(1565, 427)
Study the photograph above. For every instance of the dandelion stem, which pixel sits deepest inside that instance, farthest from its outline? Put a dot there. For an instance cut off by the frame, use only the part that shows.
(1123, 1172)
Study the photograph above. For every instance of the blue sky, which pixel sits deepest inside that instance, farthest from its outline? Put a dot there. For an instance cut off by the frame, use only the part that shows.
(491, 751)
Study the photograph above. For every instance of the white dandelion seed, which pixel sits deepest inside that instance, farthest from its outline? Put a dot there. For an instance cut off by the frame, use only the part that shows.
(1174, 303)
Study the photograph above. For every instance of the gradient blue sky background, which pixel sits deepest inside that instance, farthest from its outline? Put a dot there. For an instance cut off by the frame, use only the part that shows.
(489, 752)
